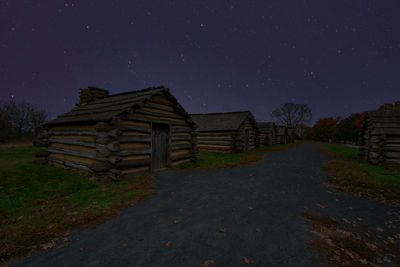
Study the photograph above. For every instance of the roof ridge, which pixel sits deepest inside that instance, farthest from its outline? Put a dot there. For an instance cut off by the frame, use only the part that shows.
(139, 90)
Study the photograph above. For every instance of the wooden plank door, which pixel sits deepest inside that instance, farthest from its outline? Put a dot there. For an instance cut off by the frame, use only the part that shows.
(159, 145)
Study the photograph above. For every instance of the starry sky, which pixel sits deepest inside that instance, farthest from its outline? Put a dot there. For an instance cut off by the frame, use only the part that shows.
(337, 56)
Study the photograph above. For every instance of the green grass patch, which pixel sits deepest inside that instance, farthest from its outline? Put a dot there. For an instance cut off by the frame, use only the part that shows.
(39, 203)
(360, 177)
(338, 150)
(216, 160)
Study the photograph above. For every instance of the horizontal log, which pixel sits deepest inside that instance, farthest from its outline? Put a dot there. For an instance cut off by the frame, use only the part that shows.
(208, 142)
(136, 139)
(181, 138)
(179, 162)
(69, 163)
(178, 147)
(222, 138)
(74, 147)
(103, 138)
(225, 134)
(391, 154)
(154, 119)
(73, 132)
(130, 152)
(132, 146)
(126, 127)
(72, 142)
(162, 100)
(134, 171)
(159, 112)
(100, 166)
(128, 121)
(129, 164)
(392, 148)
(147, 156)
(77, 128)
(148, 134)
(395, 162)
(182, 130)
(188, 142)
(160, 106)
(81, 154)
(89, 138)
(181, 156)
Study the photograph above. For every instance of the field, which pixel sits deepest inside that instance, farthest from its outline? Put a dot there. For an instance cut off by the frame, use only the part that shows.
(354, 175)
(39, 203)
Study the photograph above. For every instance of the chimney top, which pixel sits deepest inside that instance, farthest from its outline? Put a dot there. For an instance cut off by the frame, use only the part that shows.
(90, 94)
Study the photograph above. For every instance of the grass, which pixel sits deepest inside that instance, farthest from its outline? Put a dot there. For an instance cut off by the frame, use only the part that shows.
(216, 160)
(351, 244)
(351, 174)
(39, 203)
(338, 150)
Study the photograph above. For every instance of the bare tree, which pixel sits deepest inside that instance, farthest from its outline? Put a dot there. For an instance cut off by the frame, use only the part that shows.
(291, 114)
(23, 116)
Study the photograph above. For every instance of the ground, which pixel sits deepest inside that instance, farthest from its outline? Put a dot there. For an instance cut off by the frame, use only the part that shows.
(257, 214)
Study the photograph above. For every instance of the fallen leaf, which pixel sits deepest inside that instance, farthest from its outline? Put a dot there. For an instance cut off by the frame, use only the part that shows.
(352, 254)
(379, 260)
(81, 249)
(246, 260)
(233, 209)
(305, 207)
(168, 244)
(320, 205)
(251, 208)
(258, 230)
(380, 229)
(154, 216)
(222, 230)
(50, 226)
(386, 259)
(251, 174)
(51, 244)
(65, 239)
(172, 193)
(364, 261)
(208, 263)
(329, 242)
(124, 245)
(176, 221)
(346, 221)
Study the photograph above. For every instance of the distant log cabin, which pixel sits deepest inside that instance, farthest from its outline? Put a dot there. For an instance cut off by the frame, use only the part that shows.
(291, 135)
(267, 133)
(229, 132)
(380, 137)
(282, 135)
(113, 136)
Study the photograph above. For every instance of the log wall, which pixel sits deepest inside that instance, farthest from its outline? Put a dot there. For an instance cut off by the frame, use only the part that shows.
(221, 141)
(122, 146)
(243, 141)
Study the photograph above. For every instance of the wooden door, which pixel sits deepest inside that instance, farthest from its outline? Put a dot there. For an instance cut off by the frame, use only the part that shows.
(159, 146)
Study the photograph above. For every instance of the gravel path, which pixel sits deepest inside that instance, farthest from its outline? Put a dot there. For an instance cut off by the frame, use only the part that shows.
(258, 205)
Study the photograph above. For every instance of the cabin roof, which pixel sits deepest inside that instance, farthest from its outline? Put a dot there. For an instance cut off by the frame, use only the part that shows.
(266, 127)
(221, 121)
(384, 121)
(113, 105)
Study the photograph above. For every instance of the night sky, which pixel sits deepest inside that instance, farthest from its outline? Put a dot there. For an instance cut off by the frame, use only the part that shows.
(338, 56)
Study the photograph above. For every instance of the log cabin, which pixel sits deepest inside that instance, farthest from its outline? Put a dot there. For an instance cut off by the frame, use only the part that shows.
(125, 134)
(281, 135)
(226, 132)
(379, 140)
(267, 133)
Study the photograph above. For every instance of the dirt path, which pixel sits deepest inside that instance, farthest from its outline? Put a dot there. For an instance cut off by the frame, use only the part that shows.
(222, 215)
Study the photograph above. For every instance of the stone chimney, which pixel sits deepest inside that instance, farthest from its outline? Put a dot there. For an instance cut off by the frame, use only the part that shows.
(90, 94)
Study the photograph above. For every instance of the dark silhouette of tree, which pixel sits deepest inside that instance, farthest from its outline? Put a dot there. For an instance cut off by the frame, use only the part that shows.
(23, 116)
(291, 115)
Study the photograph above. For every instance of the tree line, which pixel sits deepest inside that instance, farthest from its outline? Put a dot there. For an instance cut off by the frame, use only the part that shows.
(20, 119)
